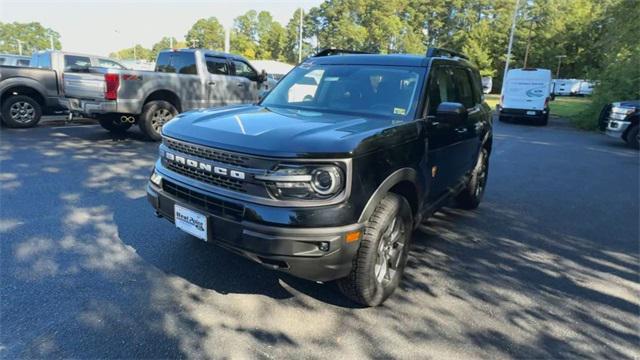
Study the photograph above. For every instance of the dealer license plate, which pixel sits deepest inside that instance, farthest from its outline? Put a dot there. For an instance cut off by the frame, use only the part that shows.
(531, 112)
(190, 221)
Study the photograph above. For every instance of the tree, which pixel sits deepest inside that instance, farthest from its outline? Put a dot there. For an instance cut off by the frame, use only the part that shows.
(245, 34)
(206, 33)
(271, 37)
(137, 52)
(32, 36)
(166, 43)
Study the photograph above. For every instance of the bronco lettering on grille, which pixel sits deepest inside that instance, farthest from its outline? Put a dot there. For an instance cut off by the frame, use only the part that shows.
(204, 166)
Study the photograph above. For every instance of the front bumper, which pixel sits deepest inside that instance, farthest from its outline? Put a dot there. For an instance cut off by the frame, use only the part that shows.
(522, 113)
(617, 128)
(293, 250)
(89, 108)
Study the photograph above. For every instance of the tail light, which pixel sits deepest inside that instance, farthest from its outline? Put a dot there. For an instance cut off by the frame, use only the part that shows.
(113, 83)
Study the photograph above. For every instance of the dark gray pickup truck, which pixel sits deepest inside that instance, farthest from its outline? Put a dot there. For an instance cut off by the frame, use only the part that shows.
(26, 94)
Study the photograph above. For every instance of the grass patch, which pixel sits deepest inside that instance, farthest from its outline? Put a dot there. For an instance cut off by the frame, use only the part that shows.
(573, 108)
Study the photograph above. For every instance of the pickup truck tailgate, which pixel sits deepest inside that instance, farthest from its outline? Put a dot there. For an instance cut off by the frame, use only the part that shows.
(84, 85)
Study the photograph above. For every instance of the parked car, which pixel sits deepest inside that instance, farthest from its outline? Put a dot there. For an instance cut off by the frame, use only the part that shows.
(28, 93)
(585, 88)
(64, 61)
(183, 80)
(14, 60)
(525, 95)
(331, 187)
(566, 87)
(621, 120)
(487, 84)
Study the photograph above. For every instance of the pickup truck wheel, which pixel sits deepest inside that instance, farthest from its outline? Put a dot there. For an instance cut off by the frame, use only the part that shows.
(21, 111)
(633, 137)
(382, 255)
(154, 115)
(470, 197)
(113, 124)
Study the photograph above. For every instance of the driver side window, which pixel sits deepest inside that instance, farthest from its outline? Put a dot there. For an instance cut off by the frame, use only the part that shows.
(441, 89)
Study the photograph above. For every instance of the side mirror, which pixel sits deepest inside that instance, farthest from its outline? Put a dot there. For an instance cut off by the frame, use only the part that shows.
(262, 77)
(451, 112)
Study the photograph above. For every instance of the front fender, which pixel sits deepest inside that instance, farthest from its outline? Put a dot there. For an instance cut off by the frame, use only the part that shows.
(404, 174)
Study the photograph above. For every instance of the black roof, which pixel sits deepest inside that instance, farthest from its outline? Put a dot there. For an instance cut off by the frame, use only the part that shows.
(380, 59)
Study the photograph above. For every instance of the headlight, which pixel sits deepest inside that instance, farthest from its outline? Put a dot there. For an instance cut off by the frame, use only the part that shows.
(311, 182)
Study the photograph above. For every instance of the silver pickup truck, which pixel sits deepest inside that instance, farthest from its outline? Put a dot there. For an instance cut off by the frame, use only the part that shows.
(183, 80)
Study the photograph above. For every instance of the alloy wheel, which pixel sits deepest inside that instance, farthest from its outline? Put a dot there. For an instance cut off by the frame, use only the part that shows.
(390, 250)
(159, 118)
(22, 112)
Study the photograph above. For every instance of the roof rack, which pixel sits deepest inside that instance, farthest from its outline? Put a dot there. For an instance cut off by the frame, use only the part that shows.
(333, 51)
(436, 52)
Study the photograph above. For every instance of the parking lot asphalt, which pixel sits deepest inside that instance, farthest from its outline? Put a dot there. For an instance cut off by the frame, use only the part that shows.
(547, 267)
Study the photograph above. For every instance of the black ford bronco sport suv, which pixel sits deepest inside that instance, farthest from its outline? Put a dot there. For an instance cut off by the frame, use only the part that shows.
(329, 174)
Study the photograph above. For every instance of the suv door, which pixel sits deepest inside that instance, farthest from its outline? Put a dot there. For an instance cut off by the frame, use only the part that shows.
(246, 82)
(470, 132)
(446, 150)
(219, 85)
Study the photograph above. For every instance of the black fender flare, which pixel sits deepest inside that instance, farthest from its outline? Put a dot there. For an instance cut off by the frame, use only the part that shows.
(7, 84)
(404, 174)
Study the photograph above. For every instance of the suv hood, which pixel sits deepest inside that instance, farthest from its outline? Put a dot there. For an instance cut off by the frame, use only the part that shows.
(281, 132)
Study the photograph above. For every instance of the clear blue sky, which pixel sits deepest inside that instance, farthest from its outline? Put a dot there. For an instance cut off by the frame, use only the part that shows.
(100, 27)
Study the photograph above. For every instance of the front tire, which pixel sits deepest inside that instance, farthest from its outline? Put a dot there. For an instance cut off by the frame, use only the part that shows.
(155, 114)
(113, 124)
(633, 137)
(21, 111)
(382, 255)
(471, 196)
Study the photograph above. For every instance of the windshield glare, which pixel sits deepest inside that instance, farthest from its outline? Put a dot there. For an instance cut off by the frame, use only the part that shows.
(374, 90)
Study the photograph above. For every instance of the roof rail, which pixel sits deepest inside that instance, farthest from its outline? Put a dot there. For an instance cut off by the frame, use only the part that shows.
(333, 51)
(435, 52)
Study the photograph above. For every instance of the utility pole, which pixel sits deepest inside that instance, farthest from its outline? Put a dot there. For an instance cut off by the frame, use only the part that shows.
(135, 57)
(170, 42)
(559, 62)
(300, 44)
(513, 30)
(19, 47)
(526, 52)
(51, 42)
(227, 40)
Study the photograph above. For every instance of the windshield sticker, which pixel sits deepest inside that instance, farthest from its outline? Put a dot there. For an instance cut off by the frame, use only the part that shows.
(332, 78)
(399, 111)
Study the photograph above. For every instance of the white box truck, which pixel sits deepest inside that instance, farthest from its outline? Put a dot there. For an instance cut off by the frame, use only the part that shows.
(525, 95)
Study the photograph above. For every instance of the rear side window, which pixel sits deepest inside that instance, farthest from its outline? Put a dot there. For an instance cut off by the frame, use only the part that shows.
(110, 64)
(217, 66)
(243, 69)
(23, 62)
(73, 60)
(177, 62)
(463, 84)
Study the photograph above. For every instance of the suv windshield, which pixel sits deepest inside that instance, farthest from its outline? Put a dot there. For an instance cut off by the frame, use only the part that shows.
(360, 89)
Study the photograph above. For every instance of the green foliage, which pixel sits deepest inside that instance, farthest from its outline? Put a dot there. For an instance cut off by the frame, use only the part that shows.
(165, 43)
(137, 52)
(33, 37)
(618, 71)
(206, 33)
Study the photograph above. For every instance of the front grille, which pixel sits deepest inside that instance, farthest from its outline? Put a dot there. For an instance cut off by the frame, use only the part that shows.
(207, 177)
(206, 153)
(209, 204)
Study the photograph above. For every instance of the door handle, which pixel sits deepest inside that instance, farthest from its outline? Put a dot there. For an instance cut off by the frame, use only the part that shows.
(240, 84)
(211, 83)
(461, 130)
